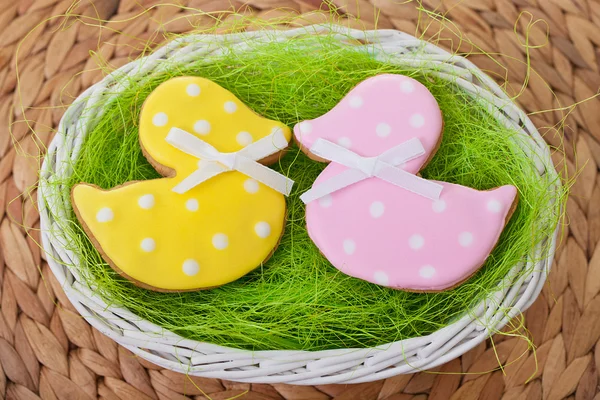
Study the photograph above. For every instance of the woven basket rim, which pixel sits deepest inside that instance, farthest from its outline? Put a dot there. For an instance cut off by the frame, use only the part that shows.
(171, 351)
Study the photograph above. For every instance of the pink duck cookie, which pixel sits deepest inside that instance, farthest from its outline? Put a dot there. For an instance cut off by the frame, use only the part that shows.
(370, 213)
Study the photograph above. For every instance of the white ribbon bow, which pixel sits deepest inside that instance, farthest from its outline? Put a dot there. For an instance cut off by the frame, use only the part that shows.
(213, 162)
(383, 166)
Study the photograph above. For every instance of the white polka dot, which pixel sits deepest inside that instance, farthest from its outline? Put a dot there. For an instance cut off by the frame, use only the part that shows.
(349, 246)
(202, 127)
(146, 201)
(148, 244)
(438, 206)
(105, 215)
(407, 86)
(417, 121)
(383, 130)
(244, 138)
(376, 209)
(494, 206)
(191, 205)
(160, 119)
(305, 127)
(230, 107)
(345, 142)
(416, 242)
(427, 271)
(220, 241)
(355, 101)
(192, 90)
(191, 267)
(465, 239)
(262, 229)
(251, 186)
(381, 278)
(325, 201)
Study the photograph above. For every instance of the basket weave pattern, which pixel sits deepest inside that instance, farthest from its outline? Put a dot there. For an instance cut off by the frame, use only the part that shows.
(77, 361)
(299, 367)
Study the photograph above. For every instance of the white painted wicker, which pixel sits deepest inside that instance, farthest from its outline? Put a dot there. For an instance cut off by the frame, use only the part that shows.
(297, 367)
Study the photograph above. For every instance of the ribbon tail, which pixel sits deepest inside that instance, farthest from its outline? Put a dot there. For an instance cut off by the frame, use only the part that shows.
(334, 152)
(265, 146)
(333, 184)
(264, 175)
(404, 152)
(410, 182)
(204, 172)
(190, 144)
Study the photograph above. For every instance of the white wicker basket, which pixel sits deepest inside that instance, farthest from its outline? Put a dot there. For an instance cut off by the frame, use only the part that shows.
(297, 367)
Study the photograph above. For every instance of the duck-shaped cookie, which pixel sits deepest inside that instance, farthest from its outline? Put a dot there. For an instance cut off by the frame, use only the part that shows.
(370, 213)
(216, 215)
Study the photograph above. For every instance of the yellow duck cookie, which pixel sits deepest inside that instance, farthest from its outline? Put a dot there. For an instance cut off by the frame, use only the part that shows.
(216, 215)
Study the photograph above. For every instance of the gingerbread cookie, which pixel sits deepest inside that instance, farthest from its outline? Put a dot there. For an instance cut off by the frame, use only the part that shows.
(216, 215)
(370, 213)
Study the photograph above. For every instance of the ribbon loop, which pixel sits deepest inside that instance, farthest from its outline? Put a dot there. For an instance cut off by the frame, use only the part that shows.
(384, 166)
(212, 162)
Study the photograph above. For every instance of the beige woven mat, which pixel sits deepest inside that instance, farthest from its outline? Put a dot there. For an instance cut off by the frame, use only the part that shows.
(47, 350)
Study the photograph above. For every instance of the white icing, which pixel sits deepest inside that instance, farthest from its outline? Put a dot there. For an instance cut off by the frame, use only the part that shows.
(325, 201)
(191, 205)
(148, 244)
(416, 242)
(160, 119)
(202, 127)
(251, 186)
(262, 229)
(427, 271)
(383, 130)
(345, 142)
(355, 101)
(190, 267)
(146, 201)
(438, 206)
(381, 278)
(494, 206)
(244, 138)
(192, 90)
(465, 239)
(349, 246)
(417, 121)
(407, 86)
(376, 209)
(105, 215)
(305, 127)
(230, 107)
(220, 241)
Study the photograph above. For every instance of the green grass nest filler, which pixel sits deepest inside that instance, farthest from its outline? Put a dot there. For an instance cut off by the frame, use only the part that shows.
(297, 319)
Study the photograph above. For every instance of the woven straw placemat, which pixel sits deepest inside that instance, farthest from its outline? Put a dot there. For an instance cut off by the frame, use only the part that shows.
(48, 351)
